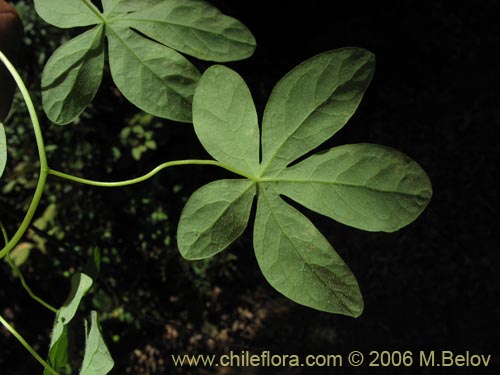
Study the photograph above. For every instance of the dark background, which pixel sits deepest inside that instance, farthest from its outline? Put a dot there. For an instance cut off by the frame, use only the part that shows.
(433, 285)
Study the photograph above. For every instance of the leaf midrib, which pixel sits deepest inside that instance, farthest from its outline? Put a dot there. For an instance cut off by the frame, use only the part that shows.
(299, 124)
(341, 184)
(146, 20)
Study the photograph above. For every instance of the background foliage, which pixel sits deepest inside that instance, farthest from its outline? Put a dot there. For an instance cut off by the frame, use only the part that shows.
(433, 285)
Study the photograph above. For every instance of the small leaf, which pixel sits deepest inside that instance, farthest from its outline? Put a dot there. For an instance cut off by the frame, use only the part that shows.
(299, 262)
(225, 119)
(311, 103)
(366, 186)
(58, 352)
(3, 149)
(66, 13)
(80, 284)
(194, 27)
(97, 359)
(72, 76)
(155, 78)
(213, 217)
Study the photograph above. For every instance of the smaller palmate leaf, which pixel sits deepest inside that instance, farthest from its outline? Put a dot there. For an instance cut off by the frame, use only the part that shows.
(225, 119)
(67, 13)
(58, 351)
(155, 78)
(72, 76)
(311, 103)
(97, 360)
(213, 217)
(3, 149)
(366, 186)
(299, 262)
(194, 27)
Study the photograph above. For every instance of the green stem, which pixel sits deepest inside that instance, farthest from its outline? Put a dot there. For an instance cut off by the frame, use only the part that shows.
(23, 342)
(27, 288)
(17, 271)
(44, 168)
(149, 174)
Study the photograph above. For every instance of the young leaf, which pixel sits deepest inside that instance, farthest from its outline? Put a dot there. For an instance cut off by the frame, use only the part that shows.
(153, 77)
(225, 119)
(3, 149)
(58, 351)
(214, 216)
(97, 359)
(311, 103)
(80, 284)
(299, 262)
(366, 186)
(194, 27)
(72, 76)
(67, 13)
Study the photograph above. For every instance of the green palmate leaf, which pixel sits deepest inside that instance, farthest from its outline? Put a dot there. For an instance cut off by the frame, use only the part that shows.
(214, 217)
(58, 351)
(196, 28)
(153, 77)
(97, 359)
(72, 76)
(3, 149)
(225, 119)
(299, 262)
(366, 186)
(311, 103)
(67, 13)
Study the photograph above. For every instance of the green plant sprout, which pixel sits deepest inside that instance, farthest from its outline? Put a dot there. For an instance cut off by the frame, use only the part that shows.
(366, 186)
